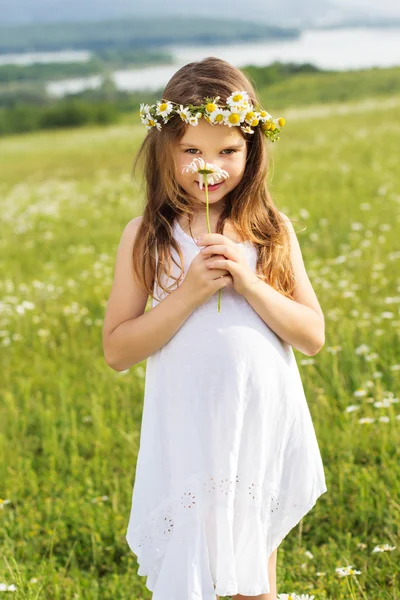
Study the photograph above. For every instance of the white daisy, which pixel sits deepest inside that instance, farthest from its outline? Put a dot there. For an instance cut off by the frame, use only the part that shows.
(217, 116)
(237, 98)
(184, 113)
(164, 108)
(213, 173)
(264, 116)
(345, 571)
(235, 118)
(150, 122)
(247, 129)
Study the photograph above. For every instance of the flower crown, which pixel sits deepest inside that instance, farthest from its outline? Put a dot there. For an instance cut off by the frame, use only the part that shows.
(237, 112)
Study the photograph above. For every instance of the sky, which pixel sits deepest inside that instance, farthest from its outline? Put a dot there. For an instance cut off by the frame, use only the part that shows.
(283, 12)
(388, 7)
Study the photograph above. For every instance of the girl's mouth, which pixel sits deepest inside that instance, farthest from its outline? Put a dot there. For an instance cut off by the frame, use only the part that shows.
(211, 188)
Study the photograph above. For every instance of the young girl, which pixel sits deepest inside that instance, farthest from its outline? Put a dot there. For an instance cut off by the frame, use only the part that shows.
(228, 461)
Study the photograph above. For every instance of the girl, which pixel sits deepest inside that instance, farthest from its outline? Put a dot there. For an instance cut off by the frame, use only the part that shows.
(228, 461)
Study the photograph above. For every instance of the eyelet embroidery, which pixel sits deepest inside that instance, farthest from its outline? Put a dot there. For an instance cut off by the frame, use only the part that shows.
(164, 526)
(254, 491)
(226, 486)
(161, 525)
(209, 484)
(188, 500)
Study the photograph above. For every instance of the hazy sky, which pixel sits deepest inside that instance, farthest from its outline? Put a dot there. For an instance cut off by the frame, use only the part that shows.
(286, 12)
(385, 6)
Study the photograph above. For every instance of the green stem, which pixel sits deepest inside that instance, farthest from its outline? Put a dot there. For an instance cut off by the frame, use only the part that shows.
(209, 231)
(350, 586)
(207, 215)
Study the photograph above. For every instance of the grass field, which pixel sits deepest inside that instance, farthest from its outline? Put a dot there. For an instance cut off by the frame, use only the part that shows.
(70, 425)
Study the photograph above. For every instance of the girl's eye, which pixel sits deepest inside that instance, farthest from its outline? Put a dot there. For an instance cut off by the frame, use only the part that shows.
(227, 150)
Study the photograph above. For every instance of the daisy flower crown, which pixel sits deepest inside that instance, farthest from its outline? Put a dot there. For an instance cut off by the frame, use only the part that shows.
(237, 112)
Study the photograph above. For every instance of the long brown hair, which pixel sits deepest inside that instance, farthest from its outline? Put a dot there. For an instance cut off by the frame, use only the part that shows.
(249, 206)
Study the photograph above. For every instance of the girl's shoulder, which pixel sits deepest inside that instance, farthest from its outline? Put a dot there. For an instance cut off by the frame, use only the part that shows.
(134, 224)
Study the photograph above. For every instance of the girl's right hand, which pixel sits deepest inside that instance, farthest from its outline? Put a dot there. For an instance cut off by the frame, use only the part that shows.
(201, 282)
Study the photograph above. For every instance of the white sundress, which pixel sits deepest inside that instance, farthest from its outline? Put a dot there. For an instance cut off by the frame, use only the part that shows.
(228, 461)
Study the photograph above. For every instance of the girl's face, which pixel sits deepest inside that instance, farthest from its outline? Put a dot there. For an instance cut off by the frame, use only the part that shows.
(221, 145)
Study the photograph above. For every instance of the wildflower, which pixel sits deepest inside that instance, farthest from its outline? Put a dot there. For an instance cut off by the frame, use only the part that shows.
(345, 571)
(384, 548)
(210, 175)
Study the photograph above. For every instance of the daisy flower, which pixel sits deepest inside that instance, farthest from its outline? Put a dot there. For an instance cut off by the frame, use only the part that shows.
(209, 174)
(164, 108)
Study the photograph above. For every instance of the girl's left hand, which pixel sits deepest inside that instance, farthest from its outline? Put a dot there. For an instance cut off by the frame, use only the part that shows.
(234, 261)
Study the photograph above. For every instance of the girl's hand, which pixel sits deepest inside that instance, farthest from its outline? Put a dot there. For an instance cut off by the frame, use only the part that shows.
(200, 282)
(235, 263)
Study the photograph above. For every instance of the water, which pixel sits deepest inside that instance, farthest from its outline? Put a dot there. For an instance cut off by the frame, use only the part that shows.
(45, 57)
(338, 49)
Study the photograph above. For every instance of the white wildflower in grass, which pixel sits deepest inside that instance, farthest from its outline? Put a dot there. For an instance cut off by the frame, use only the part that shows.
(395, 367)
(140, 371)
(387, 315)
(43, 333)
(99, 499)
(333, 349)
(25, 305)
(307, 361)
(209, 174)
(361, 545)
(385, 403)
(362, 349)
(352, 407)
(384, 419)
(291, 596)
(359, 393)
(7, 588)
(357, 226)
(346, 571)
(392, 300)
(3, 502)
(384, 548)
(365, 420)
(309, 554)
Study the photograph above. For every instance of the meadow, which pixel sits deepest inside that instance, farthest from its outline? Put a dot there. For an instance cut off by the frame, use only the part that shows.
(70, 425)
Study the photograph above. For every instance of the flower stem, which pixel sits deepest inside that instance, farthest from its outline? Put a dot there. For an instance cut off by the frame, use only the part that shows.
(209, 231)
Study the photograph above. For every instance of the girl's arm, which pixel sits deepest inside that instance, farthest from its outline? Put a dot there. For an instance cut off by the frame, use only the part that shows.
(299, 322)
(130, 334)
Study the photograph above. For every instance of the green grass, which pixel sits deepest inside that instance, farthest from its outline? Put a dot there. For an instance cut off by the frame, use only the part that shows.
(70, 425)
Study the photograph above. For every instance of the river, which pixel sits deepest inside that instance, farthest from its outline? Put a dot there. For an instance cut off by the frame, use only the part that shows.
(338, 49)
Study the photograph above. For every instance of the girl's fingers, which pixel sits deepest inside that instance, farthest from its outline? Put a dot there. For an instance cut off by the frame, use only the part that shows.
(217, 249)
(217, 264)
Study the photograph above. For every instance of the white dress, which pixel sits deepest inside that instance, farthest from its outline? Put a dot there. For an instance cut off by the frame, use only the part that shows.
(228, 461)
